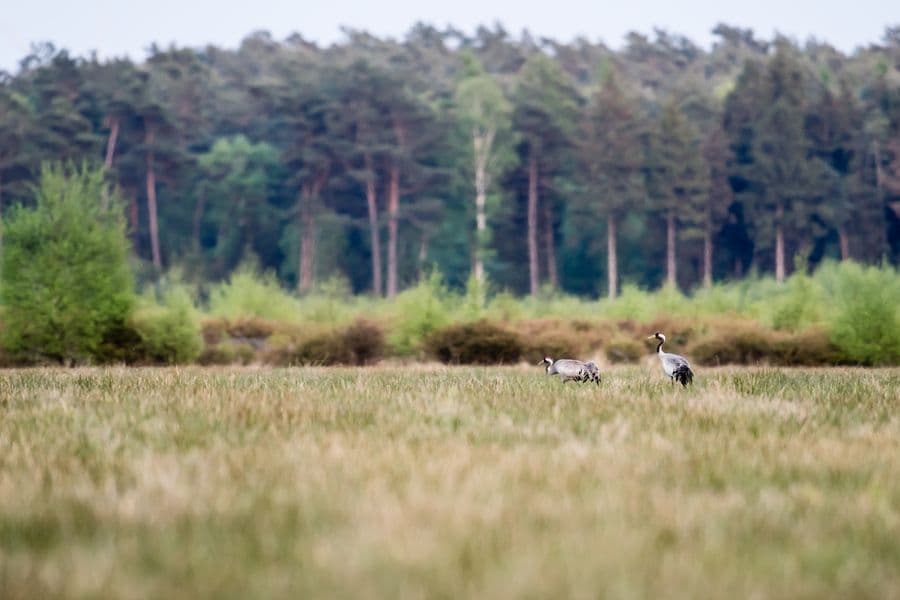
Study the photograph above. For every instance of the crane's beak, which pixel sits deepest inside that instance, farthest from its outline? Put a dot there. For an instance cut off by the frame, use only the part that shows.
(650, 337)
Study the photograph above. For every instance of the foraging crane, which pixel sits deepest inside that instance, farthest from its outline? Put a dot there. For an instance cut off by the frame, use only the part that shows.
(570, 369)
(676, 367)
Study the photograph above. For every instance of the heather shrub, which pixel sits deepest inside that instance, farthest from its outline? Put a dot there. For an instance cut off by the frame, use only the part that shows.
(480, 342)
(624, 350)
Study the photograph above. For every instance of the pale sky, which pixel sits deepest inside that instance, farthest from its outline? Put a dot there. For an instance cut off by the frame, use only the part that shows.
(128, 27)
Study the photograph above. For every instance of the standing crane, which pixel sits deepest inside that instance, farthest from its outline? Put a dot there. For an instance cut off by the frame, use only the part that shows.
(676, 367)
(570, 369)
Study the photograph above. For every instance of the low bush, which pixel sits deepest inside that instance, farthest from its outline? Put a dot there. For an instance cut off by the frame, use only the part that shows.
(361, 343)
(249, 294)
(227, 353)
(865, 321)
(170, 331)
(364, 341)
(416, 313)
(559, 338)
(480, 342)
(749, 343)
(809, 348)
(624, 350)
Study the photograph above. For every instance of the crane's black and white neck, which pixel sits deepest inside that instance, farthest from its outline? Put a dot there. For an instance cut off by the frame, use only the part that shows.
(675, 366)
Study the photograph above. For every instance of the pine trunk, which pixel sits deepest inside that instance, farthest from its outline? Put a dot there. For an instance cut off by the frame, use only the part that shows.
(481, 146)
(671, 275)
(844, 242)
(480, 201)
(375, 238)
(550, 246)
(152, 212)
(1, 212)
(707, 252)
(199, 209)
(532, 225)
(111, 142)
(306, 259)
(393, 209)
(134, 219)
(423, 255)
(779, 242)
(612, 257)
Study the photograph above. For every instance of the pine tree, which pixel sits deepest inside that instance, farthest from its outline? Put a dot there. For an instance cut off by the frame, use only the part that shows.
(678, 177)
(610, 158)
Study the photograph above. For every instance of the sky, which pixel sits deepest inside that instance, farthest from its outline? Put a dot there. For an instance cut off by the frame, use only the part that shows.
(128, 27)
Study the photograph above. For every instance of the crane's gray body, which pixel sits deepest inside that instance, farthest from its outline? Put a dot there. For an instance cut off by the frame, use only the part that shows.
(671, 362)
(570, 369)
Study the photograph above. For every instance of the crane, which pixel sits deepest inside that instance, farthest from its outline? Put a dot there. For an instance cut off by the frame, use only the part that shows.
(570, 369)
(676, 367)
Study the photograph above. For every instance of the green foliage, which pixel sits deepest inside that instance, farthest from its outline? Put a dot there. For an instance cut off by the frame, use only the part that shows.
(865, 320)
(417, 312)
(66, 282)
(249, 294)
(799, 305)
(169, 330)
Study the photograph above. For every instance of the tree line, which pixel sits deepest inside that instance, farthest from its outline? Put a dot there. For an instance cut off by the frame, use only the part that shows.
(524, 161)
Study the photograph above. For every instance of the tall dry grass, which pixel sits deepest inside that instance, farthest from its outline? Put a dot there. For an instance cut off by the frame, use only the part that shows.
(438, 482)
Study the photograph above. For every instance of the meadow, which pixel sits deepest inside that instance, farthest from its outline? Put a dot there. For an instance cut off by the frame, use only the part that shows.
(428, 481)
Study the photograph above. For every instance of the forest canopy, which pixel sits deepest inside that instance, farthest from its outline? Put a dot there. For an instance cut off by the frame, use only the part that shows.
(529, 162)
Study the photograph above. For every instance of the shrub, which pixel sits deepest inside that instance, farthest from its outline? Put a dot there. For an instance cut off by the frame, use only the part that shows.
(364, 341)
(798, 306)
(475, 343)
(66, 283)
(559, 338)
(249, 294)
(623, 349)
(227, 353)
(865, 322)
(170, 331)
(749, 343)
(743, 343)
(417, 312)
(808, 348)
(360, 343)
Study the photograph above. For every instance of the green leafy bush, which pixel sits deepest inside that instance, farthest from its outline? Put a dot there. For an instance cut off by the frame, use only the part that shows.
(66, 282)
(249, 294)
(480, 342)
(169, 331)
(865, 321)
(417, 312)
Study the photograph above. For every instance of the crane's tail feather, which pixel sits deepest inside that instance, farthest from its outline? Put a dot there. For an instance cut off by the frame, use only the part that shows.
(591, 373)
(683, 375)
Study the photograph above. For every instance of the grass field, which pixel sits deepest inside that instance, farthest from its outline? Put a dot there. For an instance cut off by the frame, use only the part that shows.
(448, 482)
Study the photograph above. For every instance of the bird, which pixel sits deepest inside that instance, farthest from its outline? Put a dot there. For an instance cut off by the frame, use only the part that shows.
(570, 369)
(674, 366)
